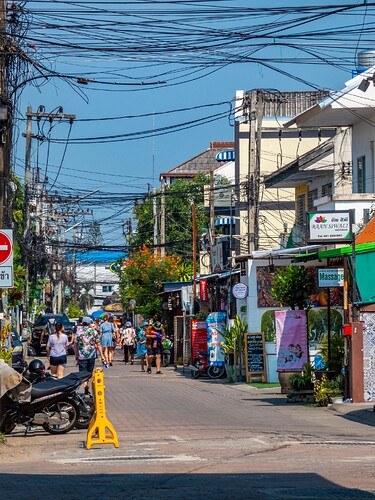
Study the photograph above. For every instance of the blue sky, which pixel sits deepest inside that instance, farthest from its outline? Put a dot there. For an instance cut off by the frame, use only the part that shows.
(127, 167)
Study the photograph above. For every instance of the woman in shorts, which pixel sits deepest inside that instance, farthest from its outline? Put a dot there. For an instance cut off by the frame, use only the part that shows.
(57, 346)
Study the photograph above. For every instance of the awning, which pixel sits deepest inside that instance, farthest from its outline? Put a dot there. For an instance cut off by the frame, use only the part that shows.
(218, 275)
(225, 221)
(225, 156)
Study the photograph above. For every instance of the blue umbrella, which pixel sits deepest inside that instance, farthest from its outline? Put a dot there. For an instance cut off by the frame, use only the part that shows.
(98, 314)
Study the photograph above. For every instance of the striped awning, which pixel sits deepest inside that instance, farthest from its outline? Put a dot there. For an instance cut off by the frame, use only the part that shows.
(225, 155)
(224, 221)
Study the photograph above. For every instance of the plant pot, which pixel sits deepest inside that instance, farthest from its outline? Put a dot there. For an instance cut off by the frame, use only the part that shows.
(285, 385)
(337, 400)
(231, 358)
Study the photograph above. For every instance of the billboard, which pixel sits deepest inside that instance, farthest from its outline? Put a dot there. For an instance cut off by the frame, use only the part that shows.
(291, 340)
(330, 227)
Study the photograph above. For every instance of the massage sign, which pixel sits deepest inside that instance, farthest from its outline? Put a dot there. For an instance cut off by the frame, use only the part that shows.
(330, 227)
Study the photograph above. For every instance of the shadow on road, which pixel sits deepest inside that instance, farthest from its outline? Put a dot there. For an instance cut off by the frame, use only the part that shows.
(362, 416)
(181, 486)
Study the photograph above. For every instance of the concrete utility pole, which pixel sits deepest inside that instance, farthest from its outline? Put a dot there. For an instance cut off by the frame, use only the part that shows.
(155, 222)
(5, 132)
(194, 220)
(255, 137)
(162, 218)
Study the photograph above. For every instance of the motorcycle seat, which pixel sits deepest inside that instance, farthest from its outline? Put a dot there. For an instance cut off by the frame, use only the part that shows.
(50, 386)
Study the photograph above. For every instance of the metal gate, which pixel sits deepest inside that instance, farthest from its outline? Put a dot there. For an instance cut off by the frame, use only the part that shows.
(369, 355)
(182, 340)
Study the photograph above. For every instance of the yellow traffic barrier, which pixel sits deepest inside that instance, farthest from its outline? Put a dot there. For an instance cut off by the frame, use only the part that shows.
(100, 431)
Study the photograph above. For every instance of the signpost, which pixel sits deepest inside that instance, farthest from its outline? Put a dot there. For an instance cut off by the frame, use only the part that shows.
(255, 355)
(6, 258)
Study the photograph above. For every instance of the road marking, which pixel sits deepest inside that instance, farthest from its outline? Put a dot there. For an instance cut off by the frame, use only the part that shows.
(129, 458)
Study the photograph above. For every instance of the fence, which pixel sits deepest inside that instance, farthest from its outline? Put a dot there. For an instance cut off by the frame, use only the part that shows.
(182, 340)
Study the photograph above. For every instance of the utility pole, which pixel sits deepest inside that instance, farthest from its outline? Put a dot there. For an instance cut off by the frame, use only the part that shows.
(194, 221)
(5, 132)
(211, 199)
(255, 137)
(162, 218)
(155, 222)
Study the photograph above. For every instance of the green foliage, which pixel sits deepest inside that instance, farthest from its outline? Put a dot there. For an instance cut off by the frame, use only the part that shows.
(3, 438)
(268, 326)
(325, 390)
(86, 300)
(73, 311)
(302, 381)
(234, 338)
(6, 355)
(178, 200)
(18, 206)
(337, 351)
(142, 277)
(292, 286)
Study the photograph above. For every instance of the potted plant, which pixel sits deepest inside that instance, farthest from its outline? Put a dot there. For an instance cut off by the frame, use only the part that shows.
(329, 391)
(234, 344)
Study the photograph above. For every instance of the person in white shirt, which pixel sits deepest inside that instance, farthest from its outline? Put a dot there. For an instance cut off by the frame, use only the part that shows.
(128, 340)
(57, 346)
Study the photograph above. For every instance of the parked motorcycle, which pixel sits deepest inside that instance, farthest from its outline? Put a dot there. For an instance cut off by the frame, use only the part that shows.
(51, 407)
(201, 367)
(37, 373)
(167, 351)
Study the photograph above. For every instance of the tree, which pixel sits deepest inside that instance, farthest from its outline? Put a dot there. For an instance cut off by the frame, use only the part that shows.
(73, 311)
(142, 277)
(86, 300)
(292, 286)
(179, 197)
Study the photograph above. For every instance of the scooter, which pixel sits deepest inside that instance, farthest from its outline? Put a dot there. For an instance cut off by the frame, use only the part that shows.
(84, 402)
(201, 367)
(51, 407)
(167, 351)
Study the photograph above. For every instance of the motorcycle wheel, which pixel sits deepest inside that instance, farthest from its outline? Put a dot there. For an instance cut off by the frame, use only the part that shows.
(67, 406)
(7, 427)
(166, 359)
(196, 374)
(84, 422)
(215, 372)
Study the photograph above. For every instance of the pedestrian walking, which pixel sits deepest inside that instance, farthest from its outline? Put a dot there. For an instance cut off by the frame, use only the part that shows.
(154, 335)
(128, 340)
(107, 330)
(141, 345)
(57, 346)
(86, 344)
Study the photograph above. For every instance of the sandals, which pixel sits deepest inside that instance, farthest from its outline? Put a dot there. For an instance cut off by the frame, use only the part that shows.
(159, 373)
(148, 369)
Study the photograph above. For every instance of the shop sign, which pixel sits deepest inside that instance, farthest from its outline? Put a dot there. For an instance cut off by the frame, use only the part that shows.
(240, 290)
(216, 322)
(330, 226)
(330, 277)
(198, 337)
(203, 290)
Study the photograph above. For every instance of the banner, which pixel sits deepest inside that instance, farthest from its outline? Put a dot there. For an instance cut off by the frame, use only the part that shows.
(215, 322)
(198, 337)
(203, 290)
(291, 340)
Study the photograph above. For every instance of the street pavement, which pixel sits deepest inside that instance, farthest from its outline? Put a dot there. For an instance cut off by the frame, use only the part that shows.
(183, 438)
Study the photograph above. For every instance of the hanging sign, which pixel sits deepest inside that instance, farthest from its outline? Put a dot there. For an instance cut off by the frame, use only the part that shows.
(330, 226)
(330, 277)
(240, 290)
(291, 340)
(203, 290)
(6, 258)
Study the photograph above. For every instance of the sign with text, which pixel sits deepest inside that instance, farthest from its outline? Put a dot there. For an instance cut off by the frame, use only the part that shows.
(6, 258)
(330, 226)
(198, 337)
(203, 290)
(330, 277)
(255, 356)
(215, 322)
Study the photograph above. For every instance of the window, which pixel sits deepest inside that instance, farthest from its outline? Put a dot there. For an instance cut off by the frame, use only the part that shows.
(311, 197)
(361, 174)
(327, 189)
(107, 288)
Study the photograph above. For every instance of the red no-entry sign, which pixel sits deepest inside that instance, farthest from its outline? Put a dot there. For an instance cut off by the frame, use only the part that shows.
(6, 247)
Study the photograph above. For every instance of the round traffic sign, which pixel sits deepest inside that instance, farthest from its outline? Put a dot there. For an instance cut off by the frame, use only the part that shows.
(6, 247)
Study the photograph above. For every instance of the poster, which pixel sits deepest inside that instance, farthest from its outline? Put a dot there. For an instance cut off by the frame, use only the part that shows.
(198, 337)
(215, 322)
(291, 340)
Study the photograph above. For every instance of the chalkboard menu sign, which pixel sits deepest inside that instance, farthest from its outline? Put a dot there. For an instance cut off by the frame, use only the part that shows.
(255, 356)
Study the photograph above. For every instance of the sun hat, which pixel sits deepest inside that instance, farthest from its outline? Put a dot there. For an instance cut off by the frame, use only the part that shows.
(145, 323)
(86, 320)
(157, 326)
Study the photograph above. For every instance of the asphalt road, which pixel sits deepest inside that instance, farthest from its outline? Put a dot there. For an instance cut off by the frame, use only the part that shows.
(183, 438)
